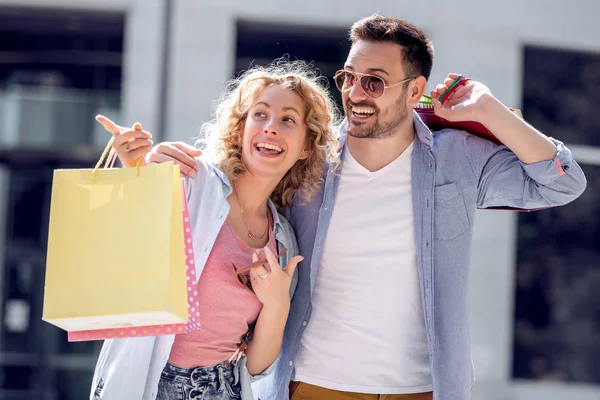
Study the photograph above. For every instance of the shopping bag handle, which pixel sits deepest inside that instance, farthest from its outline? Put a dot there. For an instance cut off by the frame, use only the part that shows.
(111, 158)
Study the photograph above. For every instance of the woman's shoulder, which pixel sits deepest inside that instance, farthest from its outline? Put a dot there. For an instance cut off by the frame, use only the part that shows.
(207, 175)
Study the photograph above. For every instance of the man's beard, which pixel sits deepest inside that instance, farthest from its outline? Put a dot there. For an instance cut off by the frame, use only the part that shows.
(385, 124)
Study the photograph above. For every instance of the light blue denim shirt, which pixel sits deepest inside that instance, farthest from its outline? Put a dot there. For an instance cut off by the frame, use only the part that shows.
(130, 368)
(453, 174)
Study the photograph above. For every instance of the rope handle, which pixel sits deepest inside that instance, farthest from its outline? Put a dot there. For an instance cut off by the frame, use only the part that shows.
(110, 160)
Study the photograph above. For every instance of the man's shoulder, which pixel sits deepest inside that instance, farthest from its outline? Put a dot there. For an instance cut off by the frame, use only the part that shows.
(443, 136)
(450, 139)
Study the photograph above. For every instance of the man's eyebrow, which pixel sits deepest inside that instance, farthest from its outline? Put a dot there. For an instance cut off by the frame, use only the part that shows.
(383, 71)
(369, 71)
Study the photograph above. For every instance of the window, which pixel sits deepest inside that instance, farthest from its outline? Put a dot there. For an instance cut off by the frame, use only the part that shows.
(557, 304)
(260, 43)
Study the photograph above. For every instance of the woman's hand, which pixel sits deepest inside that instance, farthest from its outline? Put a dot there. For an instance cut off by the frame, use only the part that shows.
(273, 287)
(273, 290)
(130, 144)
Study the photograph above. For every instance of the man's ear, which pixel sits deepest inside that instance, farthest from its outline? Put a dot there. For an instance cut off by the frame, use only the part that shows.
(416, 89)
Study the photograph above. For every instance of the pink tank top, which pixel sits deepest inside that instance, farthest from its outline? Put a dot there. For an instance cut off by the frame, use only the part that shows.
(226, 307)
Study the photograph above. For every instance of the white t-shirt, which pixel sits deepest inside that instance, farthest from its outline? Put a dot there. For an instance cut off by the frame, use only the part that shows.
(367, 331)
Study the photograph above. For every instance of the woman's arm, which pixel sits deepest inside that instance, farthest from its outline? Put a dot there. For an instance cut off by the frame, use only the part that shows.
(266, 339)
(273, 290)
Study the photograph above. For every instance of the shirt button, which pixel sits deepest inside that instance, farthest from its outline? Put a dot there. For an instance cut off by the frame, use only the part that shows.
(566, 167)
(304, 323)
(291, 363)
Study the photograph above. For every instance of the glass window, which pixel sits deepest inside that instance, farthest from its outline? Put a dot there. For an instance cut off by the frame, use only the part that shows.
(561, 90)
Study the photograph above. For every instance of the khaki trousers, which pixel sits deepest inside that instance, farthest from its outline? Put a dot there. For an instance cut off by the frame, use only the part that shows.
(305, 391)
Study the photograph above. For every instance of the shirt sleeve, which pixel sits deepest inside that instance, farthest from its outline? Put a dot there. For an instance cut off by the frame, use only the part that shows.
(505, 181)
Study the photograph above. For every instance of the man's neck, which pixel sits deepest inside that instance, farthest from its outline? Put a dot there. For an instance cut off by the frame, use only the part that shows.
(375, 154)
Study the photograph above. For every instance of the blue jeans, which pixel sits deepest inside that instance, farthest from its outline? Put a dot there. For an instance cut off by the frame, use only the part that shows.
(218, 382)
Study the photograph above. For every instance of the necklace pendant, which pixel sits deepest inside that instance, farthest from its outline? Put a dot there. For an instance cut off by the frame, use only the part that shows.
(250, 235)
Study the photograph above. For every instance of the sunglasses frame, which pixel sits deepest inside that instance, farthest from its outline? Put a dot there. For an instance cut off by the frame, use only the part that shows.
(358, 78)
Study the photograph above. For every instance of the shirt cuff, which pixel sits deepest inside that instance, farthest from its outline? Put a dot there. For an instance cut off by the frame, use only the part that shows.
(545, 172)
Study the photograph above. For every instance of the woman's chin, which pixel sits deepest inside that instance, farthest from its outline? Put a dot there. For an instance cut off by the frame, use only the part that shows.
(268, 170)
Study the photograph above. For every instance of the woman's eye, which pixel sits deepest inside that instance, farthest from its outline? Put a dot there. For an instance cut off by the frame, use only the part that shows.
(288, 119)
(259, 114)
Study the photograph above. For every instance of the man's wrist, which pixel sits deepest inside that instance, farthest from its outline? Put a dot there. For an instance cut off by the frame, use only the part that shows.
(489, 109)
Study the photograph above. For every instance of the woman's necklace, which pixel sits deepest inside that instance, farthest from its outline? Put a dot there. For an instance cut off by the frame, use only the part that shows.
(250, 234)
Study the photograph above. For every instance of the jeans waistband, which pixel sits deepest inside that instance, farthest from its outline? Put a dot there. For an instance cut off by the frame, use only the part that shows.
(201, 375)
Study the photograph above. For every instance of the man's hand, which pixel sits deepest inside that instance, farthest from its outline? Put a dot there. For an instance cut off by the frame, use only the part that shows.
(474, 102)
(180, 153)
(466, 103)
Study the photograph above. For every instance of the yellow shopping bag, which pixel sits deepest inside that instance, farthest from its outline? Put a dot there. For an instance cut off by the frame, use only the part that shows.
(116, 254)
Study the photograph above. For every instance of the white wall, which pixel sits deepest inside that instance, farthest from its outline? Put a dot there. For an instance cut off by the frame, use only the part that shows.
(482, 39)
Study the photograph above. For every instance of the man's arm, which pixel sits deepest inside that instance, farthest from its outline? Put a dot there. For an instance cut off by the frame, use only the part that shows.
(528, 144)
(530, 171)
(506, 181)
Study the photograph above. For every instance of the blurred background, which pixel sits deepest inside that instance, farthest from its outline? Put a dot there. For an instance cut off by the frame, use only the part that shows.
(535, 276)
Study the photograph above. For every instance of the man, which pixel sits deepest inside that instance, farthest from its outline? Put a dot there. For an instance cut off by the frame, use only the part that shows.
(381, 306)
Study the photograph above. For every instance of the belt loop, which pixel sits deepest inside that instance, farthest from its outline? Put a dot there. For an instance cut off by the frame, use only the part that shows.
(222, 383)
(236, 373)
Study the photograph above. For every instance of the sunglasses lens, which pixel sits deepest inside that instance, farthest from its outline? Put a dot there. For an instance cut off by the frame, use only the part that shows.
(372, 85)
(242, 278)
(344, 80)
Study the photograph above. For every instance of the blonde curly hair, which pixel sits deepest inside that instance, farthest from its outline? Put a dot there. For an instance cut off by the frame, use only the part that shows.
(221, 138)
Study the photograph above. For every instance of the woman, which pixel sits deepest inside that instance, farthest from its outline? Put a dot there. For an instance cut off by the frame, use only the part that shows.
(269, 141)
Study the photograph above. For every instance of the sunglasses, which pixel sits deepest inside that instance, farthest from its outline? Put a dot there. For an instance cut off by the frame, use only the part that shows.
(372, 85)
(242, 273)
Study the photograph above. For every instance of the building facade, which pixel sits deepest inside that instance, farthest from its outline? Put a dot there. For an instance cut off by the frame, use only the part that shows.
(163, 63)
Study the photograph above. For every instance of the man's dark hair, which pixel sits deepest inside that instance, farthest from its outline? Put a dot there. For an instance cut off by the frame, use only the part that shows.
(417, 49)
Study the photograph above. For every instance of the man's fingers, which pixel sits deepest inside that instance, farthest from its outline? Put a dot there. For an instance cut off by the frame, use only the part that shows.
(441, 88)
(109, 125)
(188, 149)
(160, 158)
(177, 155)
